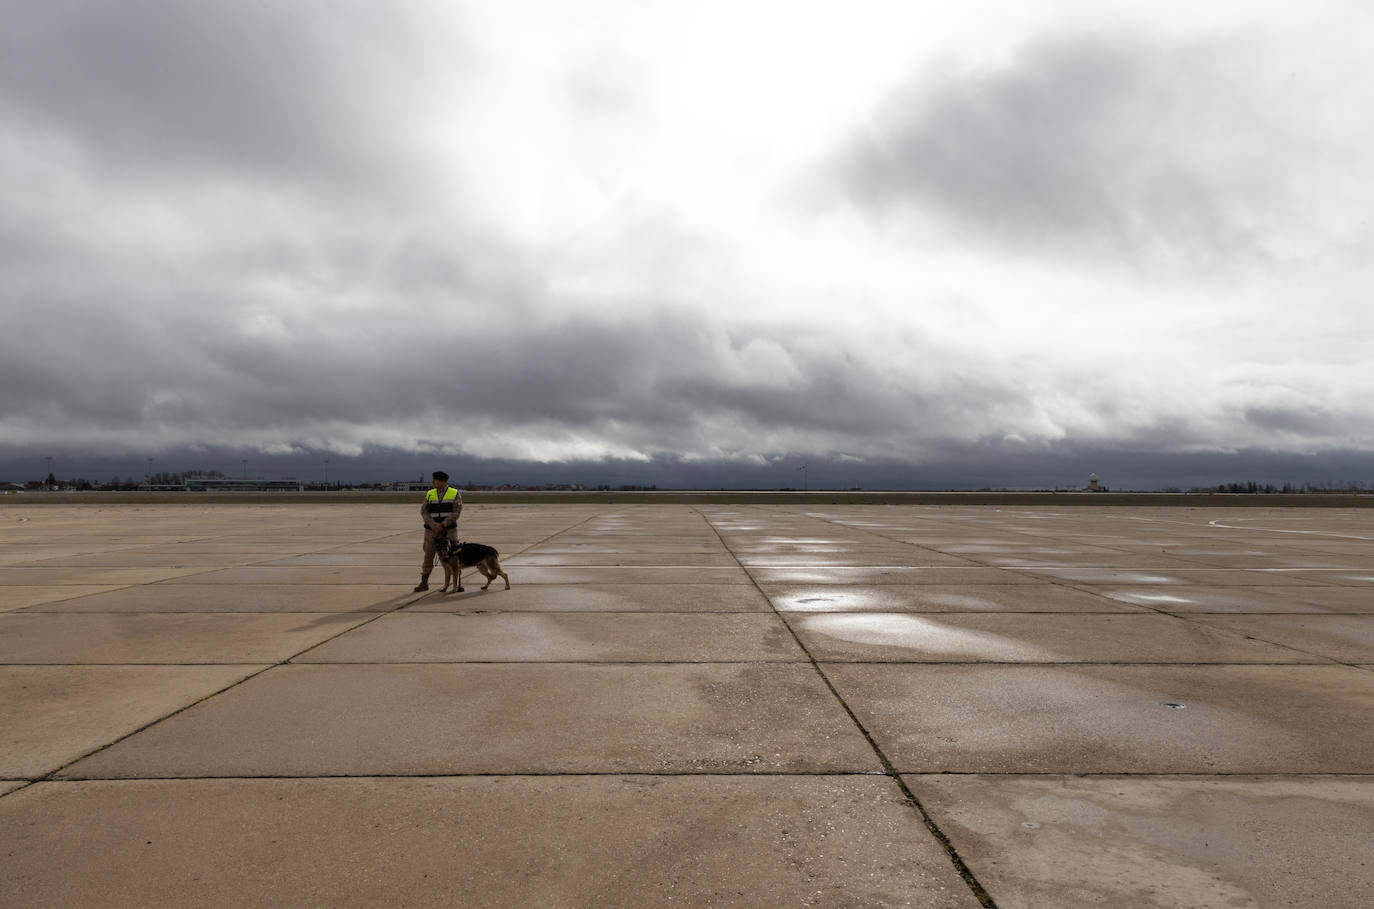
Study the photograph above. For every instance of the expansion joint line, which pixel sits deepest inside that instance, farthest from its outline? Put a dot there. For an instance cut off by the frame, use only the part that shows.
(1069, 585)
(979, 892)
(882, 536)
(1192, 620)
(1186, 618)
(52, 774)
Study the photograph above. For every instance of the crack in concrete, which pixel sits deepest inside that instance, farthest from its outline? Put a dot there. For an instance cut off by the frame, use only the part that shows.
(975, 886)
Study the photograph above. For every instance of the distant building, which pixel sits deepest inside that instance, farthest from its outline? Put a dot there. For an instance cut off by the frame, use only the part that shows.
(1093, 484)
(255, 484)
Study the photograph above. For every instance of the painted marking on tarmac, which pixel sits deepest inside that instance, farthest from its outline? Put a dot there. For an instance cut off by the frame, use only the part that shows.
(1319, 533)
(1200, 568)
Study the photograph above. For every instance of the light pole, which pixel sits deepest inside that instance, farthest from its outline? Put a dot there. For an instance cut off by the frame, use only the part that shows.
(245, 467)
(148, 477)
(48, 458)
(326, 471)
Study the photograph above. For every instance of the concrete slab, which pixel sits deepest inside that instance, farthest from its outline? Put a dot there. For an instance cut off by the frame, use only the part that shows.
(164, 638)
(791, 545)
(663, 574)
(1354, 546)
(893, 574)
(502, 718)
(15, 597)
(1152, 561)
(15, 553)
(1273, 558)
(50, 715)
(907, 557)
(11, 785)
(562, 546)
(1210, 843)
(720, 559)
(1114, 719)
(167, 557)
(1358, 577)
(598, 598)
(238, 598)
(281, 574)
(477, 842)
(288, 575)
(526, 637)
(238, 551)
(410, 558)
(1347, 638)
(404, 547)
(1047, 638)
(940, 598)
(1040, 551)
(651, 552)
(83, 576)
(1189, 599)
(1218, 577)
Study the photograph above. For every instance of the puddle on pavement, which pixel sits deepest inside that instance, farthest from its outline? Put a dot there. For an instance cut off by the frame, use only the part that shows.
(824, 601)
(919, 633)
(831, 600)
(1110, 575)
(961, 601)
(1147, 599)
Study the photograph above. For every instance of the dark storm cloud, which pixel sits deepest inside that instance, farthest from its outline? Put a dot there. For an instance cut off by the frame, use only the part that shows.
(1087, 146)
(970, 467)
(1304, 422)
(658, 376)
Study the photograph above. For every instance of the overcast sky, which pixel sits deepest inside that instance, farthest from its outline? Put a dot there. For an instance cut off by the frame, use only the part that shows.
(712, 233)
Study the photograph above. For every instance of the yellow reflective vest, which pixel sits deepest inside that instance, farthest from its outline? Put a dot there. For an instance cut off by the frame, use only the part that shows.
(441, 510)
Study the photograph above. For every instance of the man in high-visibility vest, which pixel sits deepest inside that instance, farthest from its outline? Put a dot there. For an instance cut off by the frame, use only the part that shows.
(440, 513)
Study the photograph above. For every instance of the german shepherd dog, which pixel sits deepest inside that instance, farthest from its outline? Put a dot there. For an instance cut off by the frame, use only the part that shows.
(456, 557)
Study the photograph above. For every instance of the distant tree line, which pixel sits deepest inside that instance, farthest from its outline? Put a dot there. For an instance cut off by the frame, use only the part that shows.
(1254, 488)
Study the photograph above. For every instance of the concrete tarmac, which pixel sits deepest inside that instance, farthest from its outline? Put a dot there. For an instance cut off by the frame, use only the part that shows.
(754, 705)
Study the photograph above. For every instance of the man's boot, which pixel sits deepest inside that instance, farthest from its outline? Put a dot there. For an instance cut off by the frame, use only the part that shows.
(424, 583)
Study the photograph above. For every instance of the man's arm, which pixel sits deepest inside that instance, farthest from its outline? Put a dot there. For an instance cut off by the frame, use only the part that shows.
(424, 516)
(452, 520)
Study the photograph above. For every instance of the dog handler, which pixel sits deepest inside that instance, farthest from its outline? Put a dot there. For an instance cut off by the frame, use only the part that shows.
(440, 513)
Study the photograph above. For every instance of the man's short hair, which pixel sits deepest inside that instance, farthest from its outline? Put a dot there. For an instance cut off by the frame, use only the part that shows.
(440, 475)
